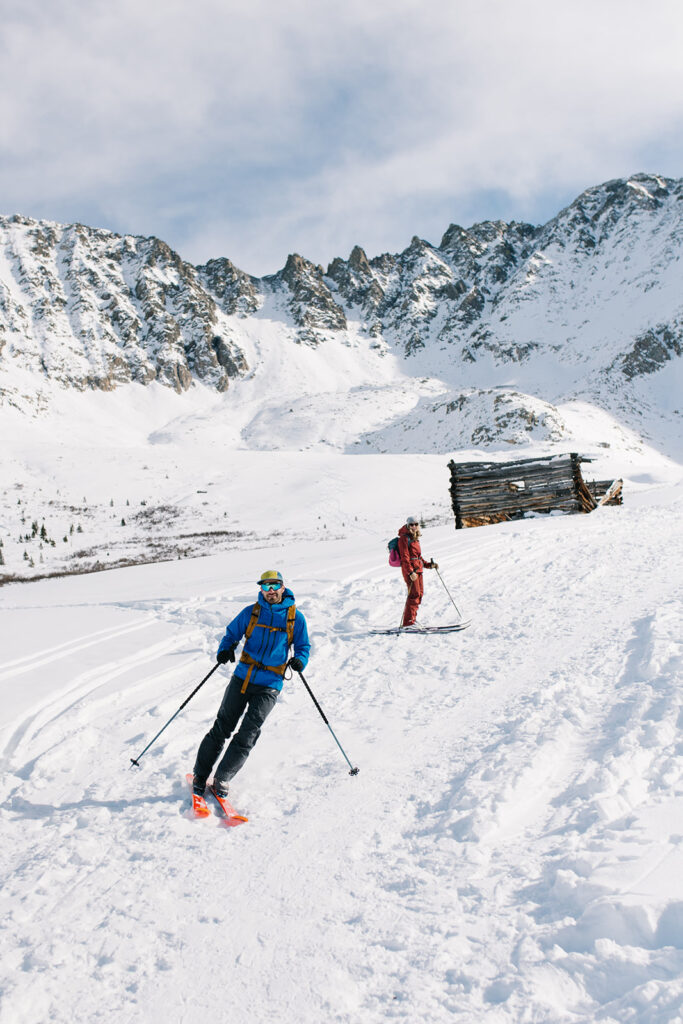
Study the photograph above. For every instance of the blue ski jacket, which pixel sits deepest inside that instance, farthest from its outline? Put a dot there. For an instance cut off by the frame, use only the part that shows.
(267, 645)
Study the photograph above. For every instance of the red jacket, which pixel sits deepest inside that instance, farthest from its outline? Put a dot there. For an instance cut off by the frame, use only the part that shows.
(410, 553)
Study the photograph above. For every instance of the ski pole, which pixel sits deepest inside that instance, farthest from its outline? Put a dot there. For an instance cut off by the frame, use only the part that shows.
(354, 771)
(448, 592)
(136, 760)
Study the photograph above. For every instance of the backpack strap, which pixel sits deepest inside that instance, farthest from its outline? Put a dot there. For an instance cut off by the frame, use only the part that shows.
(291, 616)
(255, 612)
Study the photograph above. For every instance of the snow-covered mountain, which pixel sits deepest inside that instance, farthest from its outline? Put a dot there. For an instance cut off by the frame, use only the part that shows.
(489, 336)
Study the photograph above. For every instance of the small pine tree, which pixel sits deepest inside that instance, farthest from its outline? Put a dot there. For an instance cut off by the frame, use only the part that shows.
(43, 532)
(2, 557)
(123, 521)
(79, 528)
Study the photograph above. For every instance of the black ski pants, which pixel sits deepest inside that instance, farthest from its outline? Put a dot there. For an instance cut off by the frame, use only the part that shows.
(258, 701)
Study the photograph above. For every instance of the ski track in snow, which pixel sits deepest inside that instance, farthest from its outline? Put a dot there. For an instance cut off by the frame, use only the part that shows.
(511, 851)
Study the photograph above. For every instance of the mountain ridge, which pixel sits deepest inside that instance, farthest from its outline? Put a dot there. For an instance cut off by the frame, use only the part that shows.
(585, 307)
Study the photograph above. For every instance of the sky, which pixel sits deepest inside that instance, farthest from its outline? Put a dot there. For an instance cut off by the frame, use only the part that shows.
(255, 130)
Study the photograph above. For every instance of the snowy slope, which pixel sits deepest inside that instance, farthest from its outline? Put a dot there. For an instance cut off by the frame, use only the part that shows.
(143, 474)
(511, 850)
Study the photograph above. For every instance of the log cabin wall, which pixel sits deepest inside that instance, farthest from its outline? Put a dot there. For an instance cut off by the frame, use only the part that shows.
(493, 492)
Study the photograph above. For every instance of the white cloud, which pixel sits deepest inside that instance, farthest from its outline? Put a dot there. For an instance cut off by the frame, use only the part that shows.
(252, 131)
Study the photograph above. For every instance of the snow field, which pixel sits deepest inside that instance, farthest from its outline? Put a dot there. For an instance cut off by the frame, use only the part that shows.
(510, 851)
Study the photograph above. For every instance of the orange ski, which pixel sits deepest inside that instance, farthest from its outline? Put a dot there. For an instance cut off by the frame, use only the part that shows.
(199, 808)
(230, 815)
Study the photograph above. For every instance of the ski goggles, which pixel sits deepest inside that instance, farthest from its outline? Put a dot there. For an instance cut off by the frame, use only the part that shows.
(271, 586)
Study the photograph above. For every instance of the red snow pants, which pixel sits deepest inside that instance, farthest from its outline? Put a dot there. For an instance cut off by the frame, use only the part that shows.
(415, 592)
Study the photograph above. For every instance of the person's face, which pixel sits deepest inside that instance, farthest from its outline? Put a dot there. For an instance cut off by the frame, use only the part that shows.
(273, 592)
(414, 527)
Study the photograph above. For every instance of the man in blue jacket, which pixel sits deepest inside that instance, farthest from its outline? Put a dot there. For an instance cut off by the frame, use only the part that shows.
(270, 627)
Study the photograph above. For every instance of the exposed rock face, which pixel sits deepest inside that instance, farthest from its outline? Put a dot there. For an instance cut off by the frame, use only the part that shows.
(235, 291)
(309, 301)
(91, 309)
(653, 349)
(356, 283)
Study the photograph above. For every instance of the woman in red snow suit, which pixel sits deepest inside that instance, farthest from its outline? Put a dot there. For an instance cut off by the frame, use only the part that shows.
(412, 565)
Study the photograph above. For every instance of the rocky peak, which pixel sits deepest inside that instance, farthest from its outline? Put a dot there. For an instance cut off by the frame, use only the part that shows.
(234, 291)
(358, 262)
(598, 212)
(309, 300)
(456, 240)
(356, 282)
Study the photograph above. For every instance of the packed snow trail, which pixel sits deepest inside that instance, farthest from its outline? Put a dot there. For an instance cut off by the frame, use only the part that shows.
(511, 851)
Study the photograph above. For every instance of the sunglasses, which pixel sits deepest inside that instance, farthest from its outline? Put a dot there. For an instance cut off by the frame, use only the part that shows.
(270, 586)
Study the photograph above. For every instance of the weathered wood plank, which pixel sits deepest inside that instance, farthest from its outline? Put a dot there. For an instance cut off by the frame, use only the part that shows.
(485, 492)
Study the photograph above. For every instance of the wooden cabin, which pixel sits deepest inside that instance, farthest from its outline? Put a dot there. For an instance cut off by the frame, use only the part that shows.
(494, 492)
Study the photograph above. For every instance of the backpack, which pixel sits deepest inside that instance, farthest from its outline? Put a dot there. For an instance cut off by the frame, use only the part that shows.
(394, 557)
(251, 626)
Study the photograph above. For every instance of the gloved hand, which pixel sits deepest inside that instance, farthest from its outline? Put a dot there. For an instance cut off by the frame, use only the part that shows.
(297, 664)
(432, 564)
(227, 654)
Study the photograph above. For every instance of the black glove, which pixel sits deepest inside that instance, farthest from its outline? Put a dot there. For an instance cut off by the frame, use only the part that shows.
(227, 654)
(297, 664)
(432, 564)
